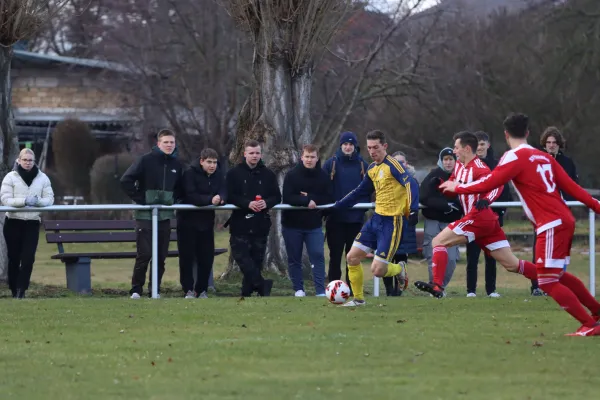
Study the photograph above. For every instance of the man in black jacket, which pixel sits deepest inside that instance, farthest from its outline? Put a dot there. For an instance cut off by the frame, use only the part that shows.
(203, 185)
(553, 142)
(306, 185)
(486, 154)
(253, 188)
(439, 210)
(155, 178)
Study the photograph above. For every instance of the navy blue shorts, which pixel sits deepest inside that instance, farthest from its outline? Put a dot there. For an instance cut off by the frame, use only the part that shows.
(380, 235)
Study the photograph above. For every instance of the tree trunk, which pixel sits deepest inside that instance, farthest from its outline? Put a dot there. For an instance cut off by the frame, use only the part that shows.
(8, 146)
(277, 114)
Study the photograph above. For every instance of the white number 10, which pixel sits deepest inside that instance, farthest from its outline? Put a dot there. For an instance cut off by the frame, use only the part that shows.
(548, 179)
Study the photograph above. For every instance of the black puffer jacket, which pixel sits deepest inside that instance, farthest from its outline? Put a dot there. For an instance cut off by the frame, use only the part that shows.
(199, 188)
(243, 185)
(317, 186)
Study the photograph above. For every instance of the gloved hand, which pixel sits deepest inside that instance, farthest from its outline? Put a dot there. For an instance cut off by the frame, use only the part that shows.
(413, 218)
(452, 208)
(31, 200)
(482, 204)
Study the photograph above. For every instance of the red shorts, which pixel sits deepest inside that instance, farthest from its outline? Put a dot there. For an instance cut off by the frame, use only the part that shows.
(486, 232)
(553, 246)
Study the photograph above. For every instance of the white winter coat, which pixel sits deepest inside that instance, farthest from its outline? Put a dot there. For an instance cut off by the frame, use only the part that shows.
(14, 190)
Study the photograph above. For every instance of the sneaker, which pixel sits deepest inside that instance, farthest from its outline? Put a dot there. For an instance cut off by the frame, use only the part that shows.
(300, 293)
(586, 331)
(537, 292)
(494, 295)
(471, 294)
(190, 295)
(203, 295)
(354, 303)
(402, 277)
(135, 296)
(430, 288)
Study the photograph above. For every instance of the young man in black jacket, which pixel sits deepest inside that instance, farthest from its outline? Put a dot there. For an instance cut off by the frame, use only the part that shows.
(203, 185)
(486, 154)
(253, 188)
(306, 185)
(155, 178)
(439, 211)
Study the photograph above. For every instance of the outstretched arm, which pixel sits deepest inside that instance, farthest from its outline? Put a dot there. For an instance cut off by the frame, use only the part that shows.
(568, 185)
(506, 170)
(364, 189)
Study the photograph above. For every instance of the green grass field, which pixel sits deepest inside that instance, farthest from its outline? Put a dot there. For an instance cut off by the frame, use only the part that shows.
(415, 347)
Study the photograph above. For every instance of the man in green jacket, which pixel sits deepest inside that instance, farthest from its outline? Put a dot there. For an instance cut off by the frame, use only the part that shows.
(155, 178)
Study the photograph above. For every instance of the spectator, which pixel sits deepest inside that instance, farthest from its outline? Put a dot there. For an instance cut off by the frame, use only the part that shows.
(486, 154)
(253, 188)
(154, 178)
(408, 242)
(553, 142)
(203, 185)
(24, 186)
(439, 211)
(306, 185)
(346, 171)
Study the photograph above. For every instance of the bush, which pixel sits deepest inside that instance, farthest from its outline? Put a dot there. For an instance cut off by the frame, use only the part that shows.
(74, 149)
(105, 178)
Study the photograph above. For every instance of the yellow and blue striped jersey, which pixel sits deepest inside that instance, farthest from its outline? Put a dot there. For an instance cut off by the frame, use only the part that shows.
(391, 184)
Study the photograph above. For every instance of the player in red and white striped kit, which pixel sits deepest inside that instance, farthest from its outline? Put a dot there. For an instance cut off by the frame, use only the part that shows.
(480, 224)
(538, 180)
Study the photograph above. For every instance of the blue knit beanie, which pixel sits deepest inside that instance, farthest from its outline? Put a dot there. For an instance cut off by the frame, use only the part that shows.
(348, 137)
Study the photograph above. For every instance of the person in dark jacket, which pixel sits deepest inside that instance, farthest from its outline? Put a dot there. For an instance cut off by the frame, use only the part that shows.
(154, 178)
(408, 242)
(306, 185)
(346, 170)
(203, 185)
(253, 188)
(486, 154)
(553, 142)
(439, 210)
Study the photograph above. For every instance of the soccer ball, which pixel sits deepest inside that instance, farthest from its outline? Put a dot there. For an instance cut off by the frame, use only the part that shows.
(337, 292)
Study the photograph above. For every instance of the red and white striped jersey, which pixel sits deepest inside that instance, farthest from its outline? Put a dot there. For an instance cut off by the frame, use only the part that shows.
(471, 172)
(538, 179)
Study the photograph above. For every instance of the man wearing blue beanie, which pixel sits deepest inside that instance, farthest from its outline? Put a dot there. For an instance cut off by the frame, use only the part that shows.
(346, 169)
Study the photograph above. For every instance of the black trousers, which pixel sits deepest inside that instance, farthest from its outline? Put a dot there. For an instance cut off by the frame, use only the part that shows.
(473, 253)
(390, 283)
(143, 240)
(340, 236)
(248, 251)
(21, 243)
(196, 248)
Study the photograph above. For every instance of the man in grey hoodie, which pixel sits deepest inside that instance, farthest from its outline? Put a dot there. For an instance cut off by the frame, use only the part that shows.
(439, 210)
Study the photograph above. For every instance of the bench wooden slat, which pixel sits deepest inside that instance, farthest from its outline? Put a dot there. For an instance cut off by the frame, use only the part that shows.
(96, 237)
(116, 255)
(93, 225)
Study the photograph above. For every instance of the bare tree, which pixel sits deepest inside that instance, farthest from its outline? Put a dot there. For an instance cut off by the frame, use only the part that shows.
(19, 19)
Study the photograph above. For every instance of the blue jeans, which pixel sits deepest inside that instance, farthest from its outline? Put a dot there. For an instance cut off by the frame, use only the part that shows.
(295, 239)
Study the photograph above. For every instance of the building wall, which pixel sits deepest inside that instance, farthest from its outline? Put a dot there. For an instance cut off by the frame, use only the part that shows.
(67, 89)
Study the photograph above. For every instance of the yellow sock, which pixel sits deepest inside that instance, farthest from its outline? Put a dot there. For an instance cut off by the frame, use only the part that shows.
(393, 270)
(355, 273)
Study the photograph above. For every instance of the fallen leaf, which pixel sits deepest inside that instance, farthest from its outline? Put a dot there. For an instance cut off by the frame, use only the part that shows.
(538, 344)
(135, 378)
(170, 359)
(153, 363)
(542, 334)
(47, 342)
(27, 341)
(401, 321)
(244, 326)
(508, 342)
(310, 323)
(169, 344)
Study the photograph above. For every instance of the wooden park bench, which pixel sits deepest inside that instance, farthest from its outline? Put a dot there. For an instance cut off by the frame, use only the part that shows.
(78, 265)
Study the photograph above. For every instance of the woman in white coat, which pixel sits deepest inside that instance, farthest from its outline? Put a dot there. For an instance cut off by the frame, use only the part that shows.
(25, 186)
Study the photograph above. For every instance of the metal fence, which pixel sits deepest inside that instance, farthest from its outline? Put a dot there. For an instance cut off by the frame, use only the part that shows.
(229, 207)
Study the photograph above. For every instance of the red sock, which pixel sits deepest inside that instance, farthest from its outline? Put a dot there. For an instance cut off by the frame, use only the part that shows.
(582, 293)
(528, 270)
(548, 280)
(438, 264)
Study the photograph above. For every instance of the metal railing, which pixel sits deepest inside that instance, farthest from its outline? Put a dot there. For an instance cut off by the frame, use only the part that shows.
(228, 207)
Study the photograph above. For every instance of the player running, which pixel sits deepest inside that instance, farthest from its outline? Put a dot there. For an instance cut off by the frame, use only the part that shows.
(479, 224)
(383, 232)
(538, 180)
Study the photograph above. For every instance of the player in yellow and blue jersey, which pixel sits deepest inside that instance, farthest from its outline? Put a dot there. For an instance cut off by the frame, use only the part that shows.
(382, 233)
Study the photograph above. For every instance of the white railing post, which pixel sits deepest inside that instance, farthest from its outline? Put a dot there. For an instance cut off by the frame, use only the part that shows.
(592, 216)
(155, 252)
